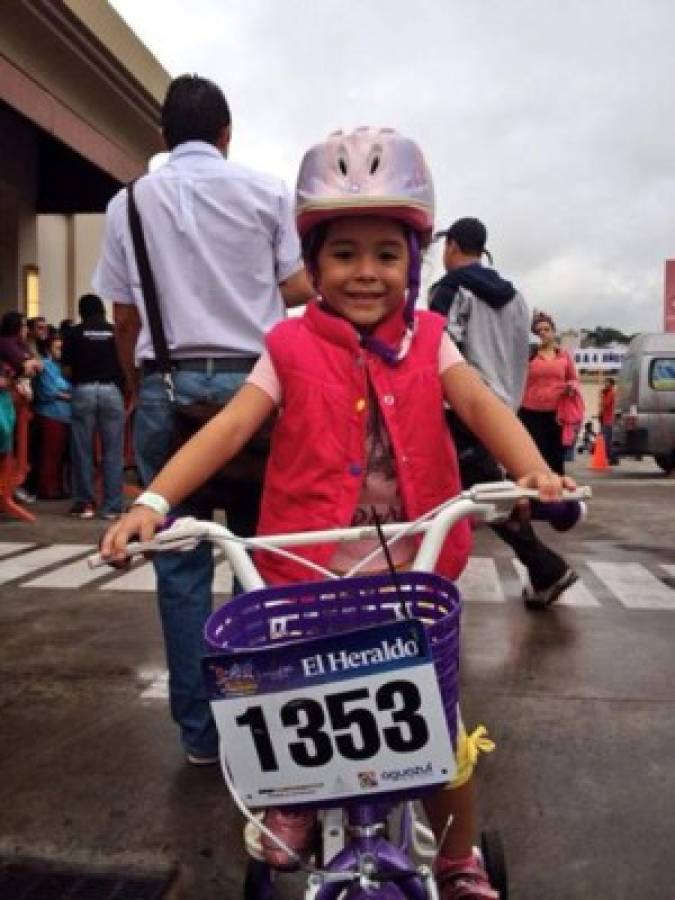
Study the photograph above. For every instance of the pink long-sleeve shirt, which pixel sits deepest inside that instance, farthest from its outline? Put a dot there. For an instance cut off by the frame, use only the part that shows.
(547, 379)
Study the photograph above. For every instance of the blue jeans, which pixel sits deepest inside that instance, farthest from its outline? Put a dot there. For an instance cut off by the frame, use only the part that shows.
(184, 580)
(98, 408)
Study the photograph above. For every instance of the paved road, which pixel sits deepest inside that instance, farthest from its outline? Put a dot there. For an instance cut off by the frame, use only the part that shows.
(579, 699)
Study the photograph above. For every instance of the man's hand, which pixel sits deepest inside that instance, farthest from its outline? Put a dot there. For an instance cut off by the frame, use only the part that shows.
(127, 328)
(140, 522)
(130, 399)
(297, 289)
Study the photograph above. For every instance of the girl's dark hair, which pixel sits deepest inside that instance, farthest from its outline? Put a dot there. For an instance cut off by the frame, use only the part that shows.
(311, 243)
(194, 109)
(11, 322)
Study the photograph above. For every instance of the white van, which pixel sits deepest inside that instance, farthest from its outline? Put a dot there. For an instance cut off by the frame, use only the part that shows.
(644, 421)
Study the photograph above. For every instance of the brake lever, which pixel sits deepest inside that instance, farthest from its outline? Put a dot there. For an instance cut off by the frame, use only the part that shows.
(502, 492)
(499, 500)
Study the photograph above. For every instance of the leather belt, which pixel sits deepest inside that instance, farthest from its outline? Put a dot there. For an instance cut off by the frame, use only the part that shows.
(207, 364)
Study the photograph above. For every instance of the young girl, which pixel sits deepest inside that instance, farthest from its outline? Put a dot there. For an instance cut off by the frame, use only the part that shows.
(359, 381)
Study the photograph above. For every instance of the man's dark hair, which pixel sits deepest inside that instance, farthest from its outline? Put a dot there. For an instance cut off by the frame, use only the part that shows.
(90, 306)
(194, 109)
(469, 234)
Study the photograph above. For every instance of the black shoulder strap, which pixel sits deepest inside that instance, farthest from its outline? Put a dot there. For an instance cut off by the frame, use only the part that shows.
(148, 287)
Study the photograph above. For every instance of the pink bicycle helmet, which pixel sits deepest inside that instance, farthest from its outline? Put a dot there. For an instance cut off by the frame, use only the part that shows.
(372, 171)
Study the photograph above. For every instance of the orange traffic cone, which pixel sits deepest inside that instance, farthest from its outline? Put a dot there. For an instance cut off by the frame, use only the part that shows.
(599, 458)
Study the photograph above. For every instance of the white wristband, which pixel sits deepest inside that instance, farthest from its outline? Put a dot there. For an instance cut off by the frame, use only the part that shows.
(155, 502)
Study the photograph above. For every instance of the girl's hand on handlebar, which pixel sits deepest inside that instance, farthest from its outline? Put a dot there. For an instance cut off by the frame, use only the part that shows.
(549, 485)
(139, 522)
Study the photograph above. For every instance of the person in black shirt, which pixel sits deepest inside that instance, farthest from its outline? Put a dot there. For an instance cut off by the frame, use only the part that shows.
(90, 360)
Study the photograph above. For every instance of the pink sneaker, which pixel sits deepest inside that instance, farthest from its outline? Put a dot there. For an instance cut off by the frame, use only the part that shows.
(463, 879)
(295, 828)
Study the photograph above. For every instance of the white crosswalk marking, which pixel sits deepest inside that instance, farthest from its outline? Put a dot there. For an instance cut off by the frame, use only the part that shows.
(158, 688)
(577, 595)
(140, 577)
(633, 585)
(222, 582)
(480, 581)
(27, 563)
(9, 548)
(74, 575)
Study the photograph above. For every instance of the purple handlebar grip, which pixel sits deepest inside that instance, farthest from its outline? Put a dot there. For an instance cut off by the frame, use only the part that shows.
(560, 514)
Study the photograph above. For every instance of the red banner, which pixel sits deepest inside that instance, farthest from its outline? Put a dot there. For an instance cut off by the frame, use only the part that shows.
(669, 297)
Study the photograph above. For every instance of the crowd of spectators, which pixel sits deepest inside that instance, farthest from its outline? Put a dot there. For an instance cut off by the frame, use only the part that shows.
(68, 377)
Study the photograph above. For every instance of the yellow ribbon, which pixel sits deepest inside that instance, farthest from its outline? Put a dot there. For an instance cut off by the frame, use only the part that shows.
(478, 742)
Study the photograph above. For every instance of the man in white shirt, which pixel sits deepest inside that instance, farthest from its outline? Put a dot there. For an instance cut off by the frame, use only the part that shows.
(225, 257)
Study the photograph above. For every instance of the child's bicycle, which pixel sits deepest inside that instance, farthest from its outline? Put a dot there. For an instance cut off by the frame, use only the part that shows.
(341, 695)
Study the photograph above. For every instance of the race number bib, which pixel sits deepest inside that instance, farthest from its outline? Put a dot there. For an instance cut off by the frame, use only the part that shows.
(332, 717)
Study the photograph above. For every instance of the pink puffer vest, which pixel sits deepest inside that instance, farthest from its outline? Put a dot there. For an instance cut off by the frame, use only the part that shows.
(317, 460)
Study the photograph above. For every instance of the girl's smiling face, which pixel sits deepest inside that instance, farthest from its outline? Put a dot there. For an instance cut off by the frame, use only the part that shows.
(363, 268)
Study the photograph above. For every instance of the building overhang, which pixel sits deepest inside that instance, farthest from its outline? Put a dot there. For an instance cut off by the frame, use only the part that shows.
(77, 72)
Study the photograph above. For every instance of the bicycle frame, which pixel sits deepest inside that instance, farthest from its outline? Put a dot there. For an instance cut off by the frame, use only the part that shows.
(373, 861)
(369, 865)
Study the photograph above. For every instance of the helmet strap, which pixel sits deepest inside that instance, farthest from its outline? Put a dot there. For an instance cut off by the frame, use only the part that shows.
(390, 355)
(414, 276)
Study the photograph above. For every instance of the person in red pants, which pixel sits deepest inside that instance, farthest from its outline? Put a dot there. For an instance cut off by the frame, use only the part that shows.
(51, 405)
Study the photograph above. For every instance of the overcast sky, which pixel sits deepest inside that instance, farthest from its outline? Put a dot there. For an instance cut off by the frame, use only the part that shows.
(553, 122)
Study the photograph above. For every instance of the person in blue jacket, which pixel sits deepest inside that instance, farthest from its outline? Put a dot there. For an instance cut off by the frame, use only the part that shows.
(51, 405)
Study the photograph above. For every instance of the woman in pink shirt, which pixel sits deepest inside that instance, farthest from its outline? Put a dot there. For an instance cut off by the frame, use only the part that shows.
(551, 373)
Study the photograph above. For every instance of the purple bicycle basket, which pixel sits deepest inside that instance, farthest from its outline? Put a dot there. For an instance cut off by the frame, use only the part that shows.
(298, 612)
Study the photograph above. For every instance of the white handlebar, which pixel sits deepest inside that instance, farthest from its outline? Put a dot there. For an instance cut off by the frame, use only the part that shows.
(489, 502)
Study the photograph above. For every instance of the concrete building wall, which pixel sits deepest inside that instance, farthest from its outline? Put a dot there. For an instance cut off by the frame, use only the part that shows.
(126, 48)
(88, 235)
(79, 115)
(68, 249)
(18, 172)
(53, 262)
(88, 96)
